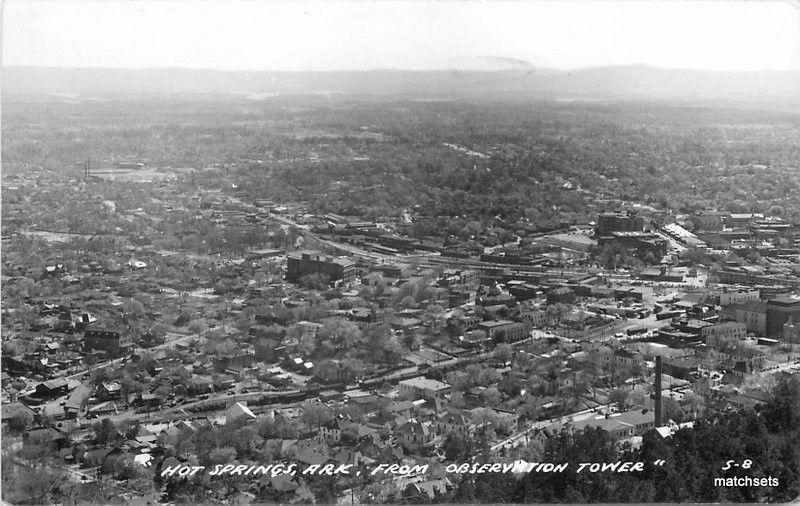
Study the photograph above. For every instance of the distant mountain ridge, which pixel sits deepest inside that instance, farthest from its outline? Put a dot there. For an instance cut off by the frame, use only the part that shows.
(637, 81)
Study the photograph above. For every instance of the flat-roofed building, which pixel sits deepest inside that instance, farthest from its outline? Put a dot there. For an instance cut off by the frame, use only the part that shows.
(740, 219)
(533, 318)
(779, 311)
(642, 242)
(618, 221)
(424, 387)
(683, 236)
(503, 330)
(725, 330)
(621, 425)
(708, 220)
(303, 263)
(112, 342)
(730, 297)
(753, 314)
(130, 165)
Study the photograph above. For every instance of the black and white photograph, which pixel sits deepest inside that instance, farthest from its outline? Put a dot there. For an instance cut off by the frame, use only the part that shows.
(399, 252)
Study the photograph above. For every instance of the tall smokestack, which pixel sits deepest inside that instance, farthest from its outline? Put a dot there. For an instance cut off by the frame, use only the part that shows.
(657, 387)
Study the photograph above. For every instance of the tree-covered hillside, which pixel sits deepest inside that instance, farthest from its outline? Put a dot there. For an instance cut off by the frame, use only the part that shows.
(694, 458)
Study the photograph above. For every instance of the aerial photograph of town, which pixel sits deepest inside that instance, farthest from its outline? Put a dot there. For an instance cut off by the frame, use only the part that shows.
(355, 252)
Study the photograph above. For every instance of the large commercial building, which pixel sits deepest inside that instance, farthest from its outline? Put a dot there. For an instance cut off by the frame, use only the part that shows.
(779, 312)
(620, 425)
(640, 241)
(109, 341)
(303, 263)
(724, 331)
(749, 275)
(730, 297)
(708, 220)
(618, 222)
(683, 236)
(130, 165)
(753, 314)
(742, 219)
(424, 387)
(503, 330)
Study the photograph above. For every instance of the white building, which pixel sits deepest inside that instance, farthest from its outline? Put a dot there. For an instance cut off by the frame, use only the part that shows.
(424, 387)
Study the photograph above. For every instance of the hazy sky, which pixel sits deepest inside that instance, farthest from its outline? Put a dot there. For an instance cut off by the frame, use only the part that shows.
(337, 35)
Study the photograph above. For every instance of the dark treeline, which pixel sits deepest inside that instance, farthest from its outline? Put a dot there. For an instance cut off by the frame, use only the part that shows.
(694, 458)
